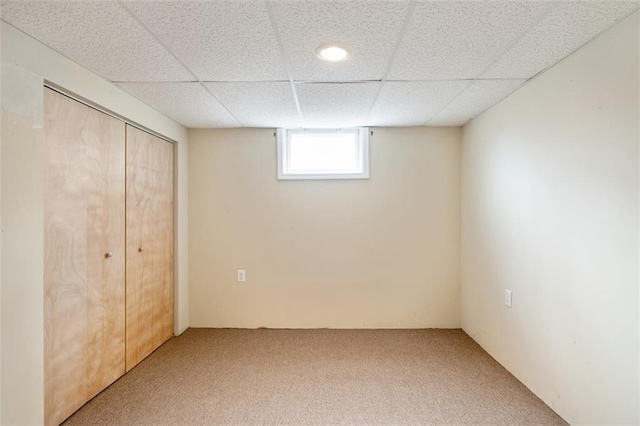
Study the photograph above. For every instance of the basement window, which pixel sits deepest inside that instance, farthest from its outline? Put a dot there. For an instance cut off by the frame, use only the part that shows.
(323, 153)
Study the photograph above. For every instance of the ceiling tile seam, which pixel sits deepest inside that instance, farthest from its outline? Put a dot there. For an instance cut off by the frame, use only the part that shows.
(314, 81)
(446, 80)
(119, 85)
(524, 81)
(518, 39)
(510, 46)
(497, 102)
(617, 21)
(201, 81)
(204, 86)
(503, 97)
(444, 107)
(283, 55)
(58, 52)
(336, 83)
(116, 84)
(453, 80)
(394, 53)
(152, 82)
(405, 24)
(374, 101)
(165, 47)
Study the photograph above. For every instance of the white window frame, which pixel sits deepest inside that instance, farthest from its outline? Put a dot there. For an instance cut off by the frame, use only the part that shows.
(283, 141)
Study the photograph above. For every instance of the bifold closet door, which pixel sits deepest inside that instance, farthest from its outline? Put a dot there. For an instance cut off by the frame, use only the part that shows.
(149, 254)
(84, 226)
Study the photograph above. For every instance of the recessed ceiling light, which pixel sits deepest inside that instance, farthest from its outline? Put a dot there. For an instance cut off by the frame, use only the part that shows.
(332, 53)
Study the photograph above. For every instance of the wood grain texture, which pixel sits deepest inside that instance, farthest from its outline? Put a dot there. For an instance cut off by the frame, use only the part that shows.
(149, 255)
(65, 259)
(84, 304)
(105, 159)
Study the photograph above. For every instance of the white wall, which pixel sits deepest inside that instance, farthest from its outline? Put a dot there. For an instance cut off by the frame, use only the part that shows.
(550, 211)
(376, 253)
(26, 65)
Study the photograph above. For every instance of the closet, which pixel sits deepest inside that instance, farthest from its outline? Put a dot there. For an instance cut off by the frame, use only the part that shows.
(108, 261)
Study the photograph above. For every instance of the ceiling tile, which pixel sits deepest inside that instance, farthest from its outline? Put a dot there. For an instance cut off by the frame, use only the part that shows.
(335, 104)
(474, 100)
(218, 40)
(187, 103)
(369, 29)
(99, 35)
(259, 104)
(449, 40)
(413, 103)
(564, 30)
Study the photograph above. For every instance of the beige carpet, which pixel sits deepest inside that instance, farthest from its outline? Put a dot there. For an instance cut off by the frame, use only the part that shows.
(317, 377)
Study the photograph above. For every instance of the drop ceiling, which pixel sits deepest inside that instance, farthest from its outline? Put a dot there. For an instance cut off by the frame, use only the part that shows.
(251, 63)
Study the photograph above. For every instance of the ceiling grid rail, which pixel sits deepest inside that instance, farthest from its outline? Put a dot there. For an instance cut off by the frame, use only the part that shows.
(254, 63)
(285, 61)
(165, 47)
(509, 46)
(394, 53)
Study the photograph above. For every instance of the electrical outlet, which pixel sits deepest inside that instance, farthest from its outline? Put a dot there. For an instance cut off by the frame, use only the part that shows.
(242, 275)
(507, 297)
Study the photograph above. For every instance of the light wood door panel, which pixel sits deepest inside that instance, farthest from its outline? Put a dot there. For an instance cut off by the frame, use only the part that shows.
(149, 255)
(84, 290)
(65, 259)
(105, 157)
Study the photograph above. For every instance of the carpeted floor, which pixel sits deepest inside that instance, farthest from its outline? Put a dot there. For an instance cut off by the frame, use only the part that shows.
(317, 377)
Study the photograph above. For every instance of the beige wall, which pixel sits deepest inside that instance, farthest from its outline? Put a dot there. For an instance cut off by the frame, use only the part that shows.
(550, 211)
(22, 248)
(382, 252)
(26, 66)
(1, 121)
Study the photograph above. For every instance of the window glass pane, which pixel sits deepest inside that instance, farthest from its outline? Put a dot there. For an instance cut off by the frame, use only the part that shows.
(323, 153)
